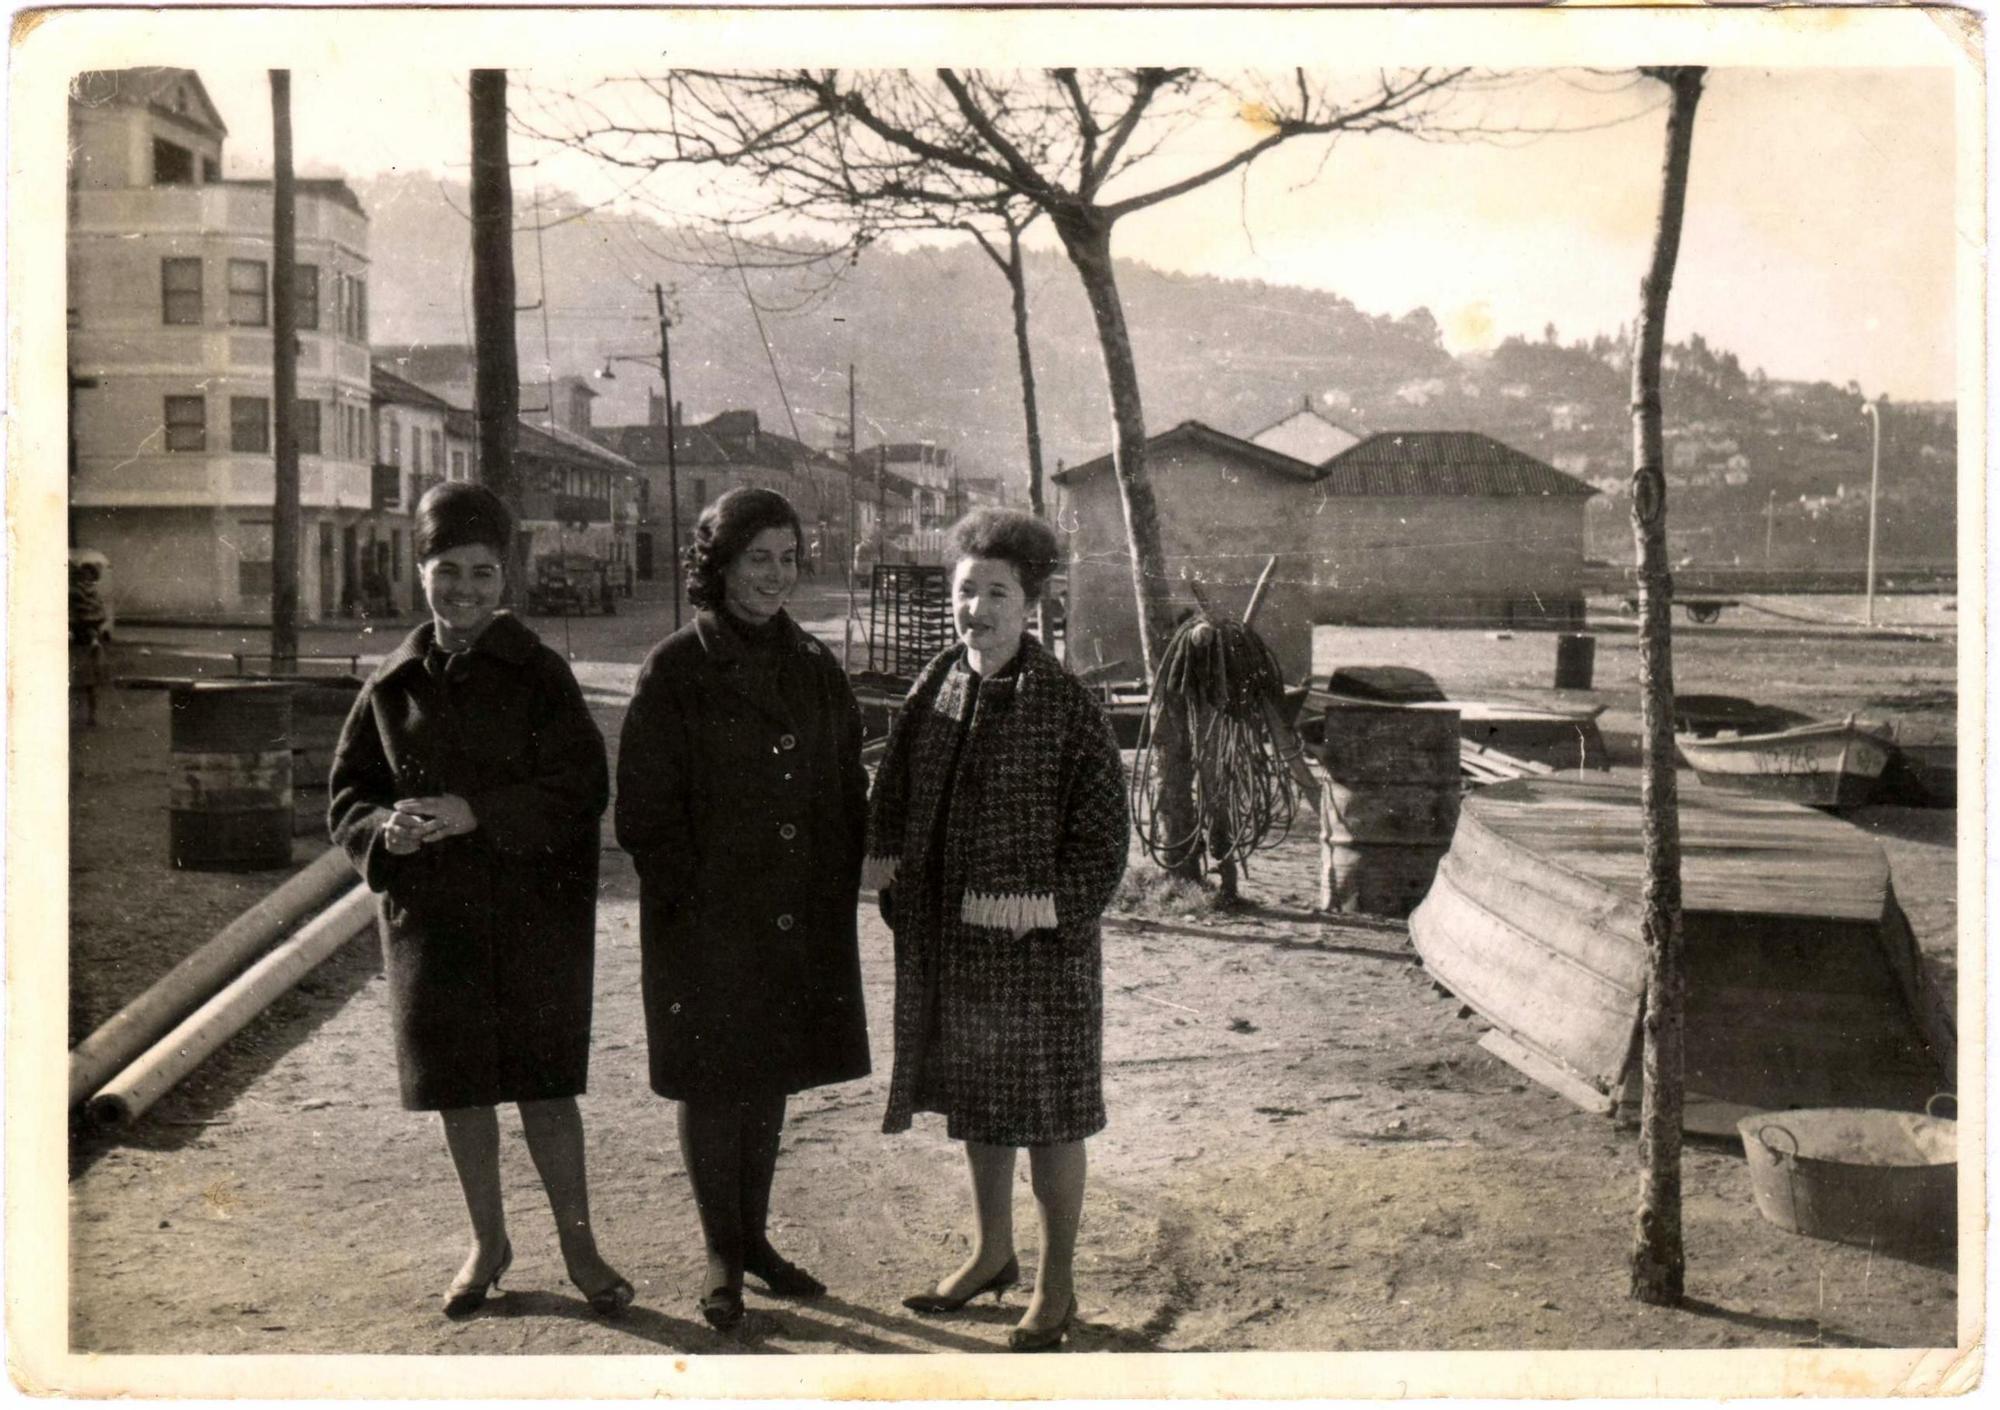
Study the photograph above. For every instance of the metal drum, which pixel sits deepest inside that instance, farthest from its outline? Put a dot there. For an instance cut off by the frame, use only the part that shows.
(230, 800)
(320, 707)
(1389, 806)
(1576, 659)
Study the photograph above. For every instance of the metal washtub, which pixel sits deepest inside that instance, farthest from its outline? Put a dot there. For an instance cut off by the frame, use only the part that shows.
(1886, 1180)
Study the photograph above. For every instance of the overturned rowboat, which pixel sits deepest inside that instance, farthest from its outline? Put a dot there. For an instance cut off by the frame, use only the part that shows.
(1805, 986)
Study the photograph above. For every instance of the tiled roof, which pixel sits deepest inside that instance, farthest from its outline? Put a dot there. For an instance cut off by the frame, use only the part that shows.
(387, 386)
(146, 87)
(647, 444)
(1463, 463)
(1195, 433)
(554, 443)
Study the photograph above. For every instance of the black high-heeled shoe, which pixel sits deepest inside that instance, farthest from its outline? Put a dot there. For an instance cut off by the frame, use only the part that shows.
(1043, 1338)
(722, 1308)
(931, 1303)
(612, 1299)
(464, 1299)
(781, 1277)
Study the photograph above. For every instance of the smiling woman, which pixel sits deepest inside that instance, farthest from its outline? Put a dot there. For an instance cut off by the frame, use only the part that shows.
(741, 798)
(467, 789)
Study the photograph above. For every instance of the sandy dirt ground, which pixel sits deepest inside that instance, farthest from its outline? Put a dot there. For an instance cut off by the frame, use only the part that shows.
(1307, 1149)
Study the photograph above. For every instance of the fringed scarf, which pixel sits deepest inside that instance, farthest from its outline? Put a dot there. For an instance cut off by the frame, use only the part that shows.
(1016, 740)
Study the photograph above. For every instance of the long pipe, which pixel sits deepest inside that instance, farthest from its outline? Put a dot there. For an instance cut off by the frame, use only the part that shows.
(164, 1064)
(127, 1033)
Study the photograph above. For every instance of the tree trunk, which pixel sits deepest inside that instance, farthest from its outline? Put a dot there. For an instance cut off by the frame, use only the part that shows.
(284, 384)
(1088, 243)
(497, 375)
(1017, 280)
(1659, 1260)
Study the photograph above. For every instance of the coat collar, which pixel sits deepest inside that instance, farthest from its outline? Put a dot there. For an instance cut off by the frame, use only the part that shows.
(725, 647)
(506, 637)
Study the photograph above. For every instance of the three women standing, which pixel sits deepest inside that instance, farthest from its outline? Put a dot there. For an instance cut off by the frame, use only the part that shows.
(467, 789)
(743, 802)
(997, 834)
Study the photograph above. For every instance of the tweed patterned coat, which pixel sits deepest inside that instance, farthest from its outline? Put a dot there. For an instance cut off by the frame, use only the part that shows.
(489, 938)
(999, 806)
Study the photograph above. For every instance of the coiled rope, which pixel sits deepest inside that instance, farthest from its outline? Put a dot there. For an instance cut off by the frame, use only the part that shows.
(1220, 689)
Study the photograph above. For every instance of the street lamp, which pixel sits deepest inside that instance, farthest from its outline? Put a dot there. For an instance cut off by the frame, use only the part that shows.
(665, 367)
(1873, 411)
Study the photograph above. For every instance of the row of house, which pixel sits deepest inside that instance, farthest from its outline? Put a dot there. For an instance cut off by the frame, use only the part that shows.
(170, 402)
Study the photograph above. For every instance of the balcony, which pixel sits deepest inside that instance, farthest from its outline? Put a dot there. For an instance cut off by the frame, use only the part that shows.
(386, 487)
(547, 507)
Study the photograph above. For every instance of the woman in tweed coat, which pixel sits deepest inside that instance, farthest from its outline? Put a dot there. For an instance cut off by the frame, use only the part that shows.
(467, 788)
(997, 834)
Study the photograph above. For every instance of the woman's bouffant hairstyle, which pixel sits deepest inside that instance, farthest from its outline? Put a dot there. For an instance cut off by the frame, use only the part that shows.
(457, 513)
(1013, 536)
(725, 530)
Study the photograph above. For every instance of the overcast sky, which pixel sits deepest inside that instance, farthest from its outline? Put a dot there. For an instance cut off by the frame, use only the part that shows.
(1819, 239)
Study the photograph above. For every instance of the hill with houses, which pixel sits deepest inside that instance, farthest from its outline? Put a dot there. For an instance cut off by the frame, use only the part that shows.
(1754, 462)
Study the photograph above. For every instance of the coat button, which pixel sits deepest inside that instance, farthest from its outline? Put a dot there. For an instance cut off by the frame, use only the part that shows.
(788, 832)
(788, 742)
(784, 922)
(676, 1008)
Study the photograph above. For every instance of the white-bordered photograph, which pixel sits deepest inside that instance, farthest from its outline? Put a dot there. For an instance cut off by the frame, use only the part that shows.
(921, 689)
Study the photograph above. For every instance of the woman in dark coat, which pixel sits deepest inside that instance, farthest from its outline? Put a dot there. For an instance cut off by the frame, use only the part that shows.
(468, 788)
(742, 800)
(997, 835)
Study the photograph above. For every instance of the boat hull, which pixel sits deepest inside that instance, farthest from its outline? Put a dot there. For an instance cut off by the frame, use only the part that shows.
(1803, 982)
(1823, 766)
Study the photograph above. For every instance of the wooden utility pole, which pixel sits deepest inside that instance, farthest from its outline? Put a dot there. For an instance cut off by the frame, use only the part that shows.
(847, 627)
(1659, 1259)
(497, 372)
(284, 385)
(673, 472)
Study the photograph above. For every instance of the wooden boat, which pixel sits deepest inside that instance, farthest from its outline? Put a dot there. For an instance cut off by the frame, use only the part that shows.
(1824, 763)
(1804, 982)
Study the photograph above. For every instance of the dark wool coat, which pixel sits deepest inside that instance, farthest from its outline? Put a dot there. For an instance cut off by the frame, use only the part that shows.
(488, 937)
(999, 806)
(743, 802)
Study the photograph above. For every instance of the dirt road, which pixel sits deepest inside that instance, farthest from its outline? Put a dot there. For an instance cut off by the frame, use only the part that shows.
(1307, 1151)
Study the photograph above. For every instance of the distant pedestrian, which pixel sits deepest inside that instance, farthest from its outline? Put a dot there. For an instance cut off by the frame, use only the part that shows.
(997, 835)
(89, 619)
(743, 802)
(467, 788)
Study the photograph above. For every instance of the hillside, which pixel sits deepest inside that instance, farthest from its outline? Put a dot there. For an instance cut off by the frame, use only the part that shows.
(927, 330)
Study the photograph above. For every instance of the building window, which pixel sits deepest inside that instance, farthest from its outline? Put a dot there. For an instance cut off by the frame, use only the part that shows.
(458, 468)
(211, 170)
(250, 424)
(416, 450)
(394, 431)
(305, 427)
(437, 451)
(172, 165)
(187, 423)
(249, 293)
(180, 291)
(253, 558)
(700, 490)
(308, 288)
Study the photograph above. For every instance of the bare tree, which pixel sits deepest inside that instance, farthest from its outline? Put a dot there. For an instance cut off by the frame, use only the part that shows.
(1659, 1259)
(1013, 267)
(1065, 144)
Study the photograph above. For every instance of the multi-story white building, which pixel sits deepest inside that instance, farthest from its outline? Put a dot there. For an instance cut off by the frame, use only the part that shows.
(171, 360)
